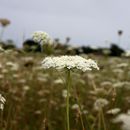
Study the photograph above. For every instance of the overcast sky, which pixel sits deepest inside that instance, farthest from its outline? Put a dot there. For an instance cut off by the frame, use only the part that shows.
(88, 22)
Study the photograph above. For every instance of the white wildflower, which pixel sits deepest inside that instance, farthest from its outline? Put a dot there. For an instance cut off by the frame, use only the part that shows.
(118, 71)
(122, 65)
(1, 49)
(22, 81)
(41, 37)
(64, 93)
(75, 107)
(100, 103)
(28, 59)
(26, 88)
(125, 119)
(42, 79)
(85, 112)
(69, 62)
(15, 75)
(4, 71)
(124, 84)
(9, 51)
(9, 63)
(13, 66)
(58, 81)
(127, 53)
(106, 83)
(2, 102)
(114, 111)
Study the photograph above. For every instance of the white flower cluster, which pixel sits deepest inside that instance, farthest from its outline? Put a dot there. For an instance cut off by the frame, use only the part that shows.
(13, 66)
(64, 93)
(41, 37)
(114, 111)
(127, 53)
(1, 49)
(75, 107)
(125, 119)
(100, 103)
(2, 102)
(69, 62)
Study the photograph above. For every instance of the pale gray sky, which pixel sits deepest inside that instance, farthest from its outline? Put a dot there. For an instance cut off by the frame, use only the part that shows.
(89, 22)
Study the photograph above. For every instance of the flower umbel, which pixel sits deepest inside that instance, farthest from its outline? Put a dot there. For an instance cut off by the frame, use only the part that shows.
(100, 103)
(41, 37)
(125, 119)
(1, 49)
(69, 62)
(114, 111)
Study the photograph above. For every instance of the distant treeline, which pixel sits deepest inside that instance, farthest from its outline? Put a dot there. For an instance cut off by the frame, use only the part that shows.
(60, 48)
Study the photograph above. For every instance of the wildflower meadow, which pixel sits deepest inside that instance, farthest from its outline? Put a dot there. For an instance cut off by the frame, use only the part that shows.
(52, 90)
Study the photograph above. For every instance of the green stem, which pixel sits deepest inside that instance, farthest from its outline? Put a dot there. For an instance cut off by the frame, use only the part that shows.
(67, 99)
(79, 103)
(99, 120)
(103, 120)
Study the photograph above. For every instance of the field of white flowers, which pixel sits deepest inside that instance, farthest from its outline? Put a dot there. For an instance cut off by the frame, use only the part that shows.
(36, 97)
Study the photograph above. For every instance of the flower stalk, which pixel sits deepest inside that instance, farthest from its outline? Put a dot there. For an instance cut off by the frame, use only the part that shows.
(68, 83)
